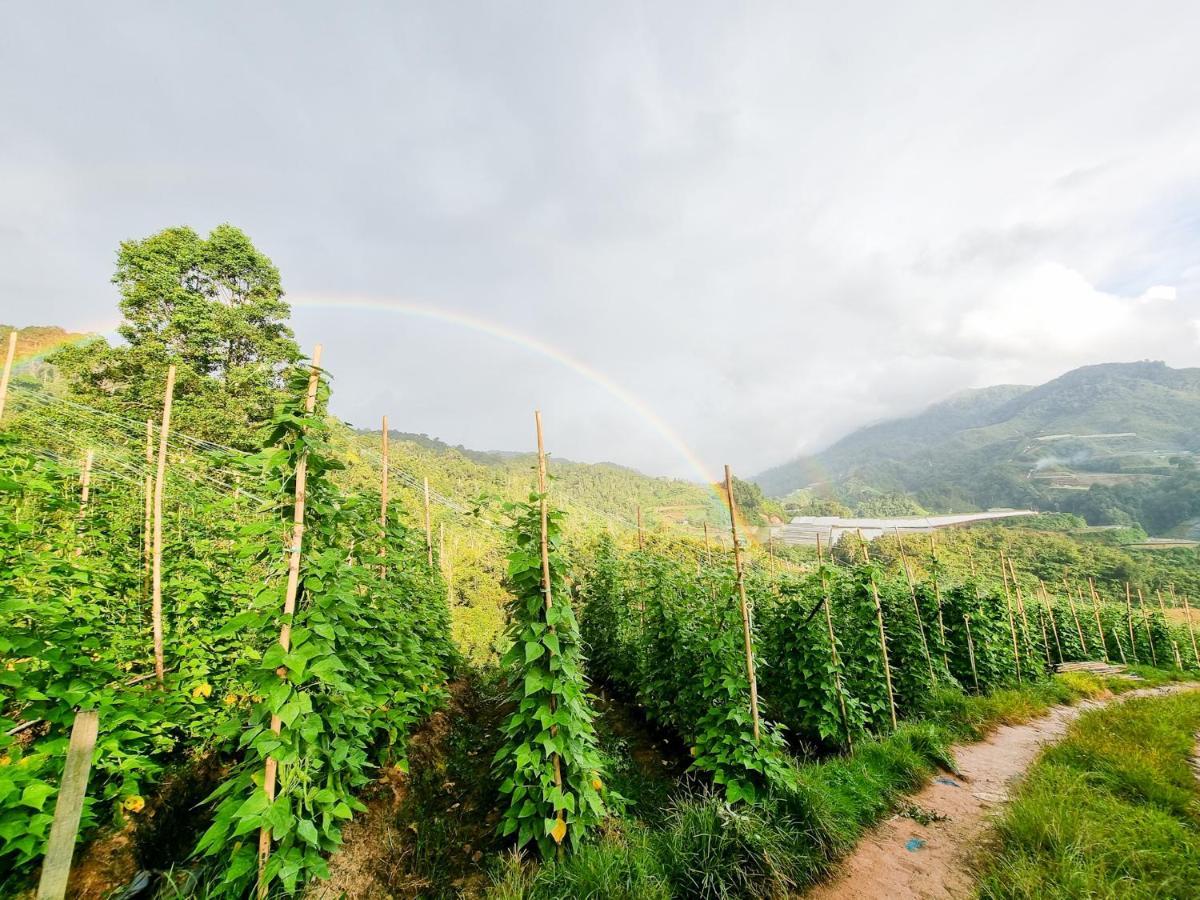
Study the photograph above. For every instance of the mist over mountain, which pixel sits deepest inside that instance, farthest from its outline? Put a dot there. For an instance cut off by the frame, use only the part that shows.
(1116, 443)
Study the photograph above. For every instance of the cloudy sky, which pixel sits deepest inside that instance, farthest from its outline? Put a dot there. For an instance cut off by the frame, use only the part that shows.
(726, 231)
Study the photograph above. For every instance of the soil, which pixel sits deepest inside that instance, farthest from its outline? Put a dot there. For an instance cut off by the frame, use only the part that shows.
(927, 853)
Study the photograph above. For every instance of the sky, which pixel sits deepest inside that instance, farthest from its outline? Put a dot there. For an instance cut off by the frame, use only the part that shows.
(691, 233)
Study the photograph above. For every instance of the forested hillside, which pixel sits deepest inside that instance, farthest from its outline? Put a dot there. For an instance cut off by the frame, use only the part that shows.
(1115, 443)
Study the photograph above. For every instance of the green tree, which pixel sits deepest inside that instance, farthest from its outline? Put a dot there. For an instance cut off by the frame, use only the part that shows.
(213, 306)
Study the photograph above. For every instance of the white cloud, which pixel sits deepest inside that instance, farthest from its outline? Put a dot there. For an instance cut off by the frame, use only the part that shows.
(771, 225)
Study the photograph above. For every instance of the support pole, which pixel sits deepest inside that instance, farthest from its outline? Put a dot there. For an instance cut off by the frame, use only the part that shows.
(545, 543)
(741, 586)
(887, 666)
(160, 479)
(971, 651)
(639, 526)
(1096, 613)
(148, 532)
(60, 846)
(296, 545)
(912, 592)
(1011, 624)
(1146, 622)
(1187, 611)
(1129, 620)
(384, 496)
(428, 527)
(1078, 627)
(8, 364)
(937, 595)
(833, 653)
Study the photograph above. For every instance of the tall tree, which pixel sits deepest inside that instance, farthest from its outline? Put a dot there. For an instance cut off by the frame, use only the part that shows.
(213, 306)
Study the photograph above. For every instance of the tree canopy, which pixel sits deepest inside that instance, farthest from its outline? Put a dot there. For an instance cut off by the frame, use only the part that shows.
(212, 306)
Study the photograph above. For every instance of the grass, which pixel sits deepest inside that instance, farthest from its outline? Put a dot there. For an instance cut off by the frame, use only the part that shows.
(1111, 811)
(700, 847)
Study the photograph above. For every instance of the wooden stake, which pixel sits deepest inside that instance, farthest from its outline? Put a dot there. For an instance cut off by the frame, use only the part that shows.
(639, 526)
(741, 585)
(1178, 660)
(8, 364)
(85, 482)
(912, 592)
(1187, 610)
(546, 586)
(971, 651)
(937, 595)
(160, 480)
(1117, 637)
(1011, 624)
(428, 526)
(1078, 627)
(887, 666)
(1096, 613)
(833, 654)
(294, 551)
(147, 534)
(1129, 619)
(1021, 609)
(1053, 624)
(1146, 622)
(384, 485)
(60, 846)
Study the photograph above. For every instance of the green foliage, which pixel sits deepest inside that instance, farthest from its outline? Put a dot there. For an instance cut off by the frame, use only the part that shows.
(215, 308)
(549, 763)
(367, 657)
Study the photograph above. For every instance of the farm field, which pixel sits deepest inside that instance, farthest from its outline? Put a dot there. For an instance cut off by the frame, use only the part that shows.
(265, 642)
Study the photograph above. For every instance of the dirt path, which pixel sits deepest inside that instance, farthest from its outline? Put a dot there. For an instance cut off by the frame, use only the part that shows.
(902, 859)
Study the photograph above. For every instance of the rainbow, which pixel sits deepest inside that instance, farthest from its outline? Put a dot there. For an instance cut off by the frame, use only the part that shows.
(528, 342)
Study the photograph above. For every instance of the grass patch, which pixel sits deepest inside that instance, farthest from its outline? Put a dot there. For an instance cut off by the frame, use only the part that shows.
(1111, 811)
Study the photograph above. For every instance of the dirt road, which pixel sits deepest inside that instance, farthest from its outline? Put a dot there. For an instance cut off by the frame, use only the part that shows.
(902, 859)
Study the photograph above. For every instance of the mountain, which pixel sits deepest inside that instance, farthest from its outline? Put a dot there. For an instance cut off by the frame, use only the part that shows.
(1089, 436)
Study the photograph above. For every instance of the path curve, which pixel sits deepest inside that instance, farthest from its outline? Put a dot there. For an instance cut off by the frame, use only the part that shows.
(901, 859)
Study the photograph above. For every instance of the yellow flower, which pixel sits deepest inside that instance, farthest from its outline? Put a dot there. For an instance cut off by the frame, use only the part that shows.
(133, 803)
(230, 699)
(201, 691)
(559, 831)
(5, 760)
(597, 784)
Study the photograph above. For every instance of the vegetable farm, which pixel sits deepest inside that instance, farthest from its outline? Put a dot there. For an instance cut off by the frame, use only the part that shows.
(271, 624)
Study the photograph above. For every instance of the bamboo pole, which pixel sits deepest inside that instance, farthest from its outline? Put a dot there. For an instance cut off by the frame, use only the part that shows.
(8, 364)
(428, 527)
(1078, 627)
(971, 651)
(1117, 637)
(1129, 620)
(639, 525)
(937, 595)
(1187, 611)
(1053, 625)
(85, 483)
(384, 497)
(160, 479)
(1012, 627)
(887, 666)
(833, 653)
(147, 534)
(1146, 622)
(547, 591)
(1096, 613)
(293, 550)
(68, 808)
(741, 586)
(1178, 659)
(912, 592)
(1021, 608)
(447, 566)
